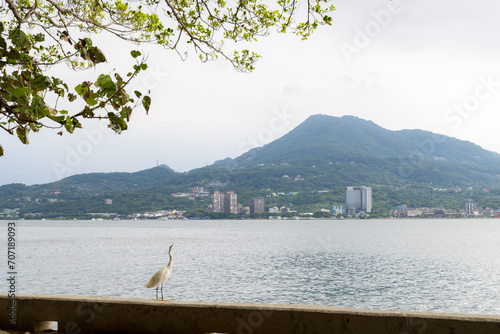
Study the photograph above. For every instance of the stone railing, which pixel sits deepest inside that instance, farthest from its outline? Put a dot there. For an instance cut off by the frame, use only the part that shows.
(74, 315)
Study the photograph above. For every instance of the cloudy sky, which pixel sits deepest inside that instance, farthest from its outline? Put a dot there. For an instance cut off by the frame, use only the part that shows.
(408, 64)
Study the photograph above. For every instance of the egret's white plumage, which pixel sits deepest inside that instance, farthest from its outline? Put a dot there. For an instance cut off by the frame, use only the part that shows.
(161, 275)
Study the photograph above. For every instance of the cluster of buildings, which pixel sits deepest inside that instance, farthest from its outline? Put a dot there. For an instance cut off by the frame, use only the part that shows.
(404, 211)
(296, 178)
(280, 210)
(358, 203)
(9, 213)
(193, 193)
(470, 208)
(160, 214)
(228, 203)
(358, 200)
(27, 199)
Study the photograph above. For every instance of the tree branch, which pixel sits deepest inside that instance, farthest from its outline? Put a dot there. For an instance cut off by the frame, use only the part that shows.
(14, 11)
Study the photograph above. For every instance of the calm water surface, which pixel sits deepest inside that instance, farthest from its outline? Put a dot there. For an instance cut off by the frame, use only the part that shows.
(421, 265)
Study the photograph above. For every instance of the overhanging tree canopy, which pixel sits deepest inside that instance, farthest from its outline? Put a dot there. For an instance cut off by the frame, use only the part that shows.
(38, 35)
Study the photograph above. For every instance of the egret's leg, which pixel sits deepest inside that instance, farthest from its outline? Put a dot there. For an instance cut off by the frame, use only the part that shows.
(156, 292)
(161, 291)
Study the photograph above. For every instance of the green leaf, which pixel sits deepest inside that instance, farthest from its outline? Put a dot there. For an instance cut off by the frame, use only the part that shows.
(58, 119)
(91, 101)
(87, 42)
(69, 125)
(82, 88)
(20, 92)
(76, 122)
(146, 102)
(116, 123)
(126, 112)
(41, 82)
(144, 66)
(135, 53)
(87, 112)
(96, 56)
(137, 93)
(106, 83)
(1, 150)
(19, 38)
(119, 80)
(22, 133)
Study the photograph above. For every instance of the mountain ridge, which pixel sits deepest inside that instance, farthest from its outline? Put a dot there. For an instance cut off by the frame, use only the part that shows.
(362, 137)
(323, 152)
(82, 185)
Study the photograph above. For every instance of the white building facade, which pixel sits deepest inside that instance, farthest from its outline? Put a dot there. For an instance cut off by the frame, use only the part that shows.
(358, 198)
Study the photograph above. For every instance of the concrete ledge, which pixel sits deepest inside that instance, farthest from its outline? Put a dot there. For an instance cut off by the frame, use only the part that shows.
(115, 315)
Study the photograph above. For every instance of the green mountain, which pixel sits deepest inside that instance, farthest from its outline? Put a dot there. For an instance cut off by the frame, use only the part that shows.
(359, 150)
(112, 182)
(323, 154)
(83, 186)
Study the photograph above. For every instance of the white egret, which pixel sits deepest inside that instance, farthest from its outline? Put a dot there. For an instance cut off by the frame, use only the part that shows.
(161, 275)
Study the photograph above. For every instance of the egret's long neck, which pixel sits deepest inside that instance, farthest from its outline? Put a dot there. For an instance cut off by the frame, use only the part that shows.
(169, 261)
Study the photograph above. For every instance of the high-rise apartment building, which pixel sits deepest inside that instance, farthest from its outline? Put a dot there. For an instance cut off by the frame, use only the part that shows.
(227, 202)
(256, 204)
(470, 206)
(358, 198)
(231, 202)
(218, 202)
(404, 210)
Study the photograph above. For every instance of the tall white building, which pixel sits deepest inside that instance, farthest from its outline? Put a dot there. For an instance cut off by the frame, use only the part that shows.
(358, 198)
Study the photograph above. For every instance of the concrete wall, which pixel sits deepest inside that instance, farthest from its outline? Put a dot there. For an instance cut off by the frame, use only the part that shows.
(114, 315)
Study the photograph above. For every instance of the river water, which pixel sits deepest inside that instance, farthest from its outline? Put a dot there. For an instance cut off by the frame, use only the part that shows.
(421, 265)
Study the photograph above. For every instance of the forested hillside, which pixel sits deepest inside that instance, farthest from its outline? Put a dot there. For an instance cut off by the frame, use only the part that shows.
(311, 166)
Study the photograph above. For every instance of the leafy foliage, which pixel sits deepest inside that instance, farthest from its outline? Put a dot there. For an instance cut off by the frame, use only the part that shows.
(37, 35)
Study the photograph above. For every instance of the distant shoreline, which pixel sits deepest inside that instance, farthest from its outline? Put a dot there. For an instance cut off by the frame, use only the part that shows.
(249, 219)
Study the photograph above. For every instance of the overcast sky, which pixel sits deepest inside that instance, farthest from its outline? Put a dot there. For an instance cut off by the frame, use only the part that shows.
(416, 64)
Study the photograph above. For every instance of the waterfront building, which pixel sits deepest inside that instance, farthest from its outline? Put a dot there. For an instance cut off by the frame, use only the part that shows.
(402, 210)
(243, 210)
(227, 202)
(359, 199)
(231, 202)
(256, 204)
(218, 202)
(274, 209)
(470, 206)
(337, 210)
